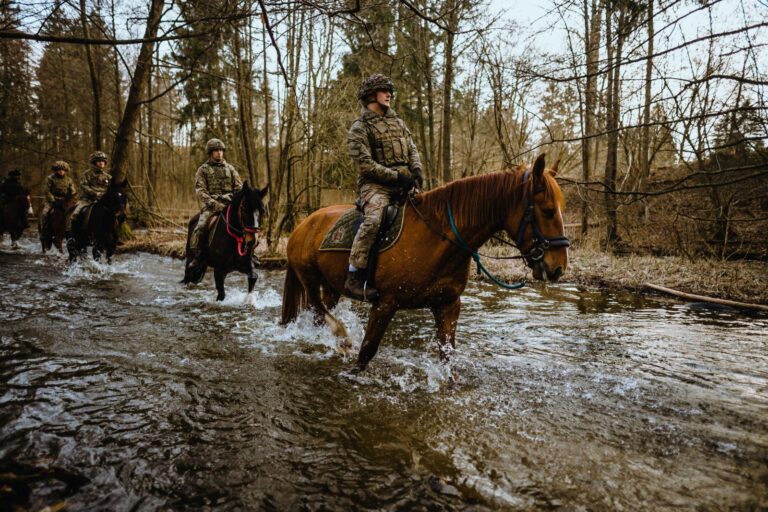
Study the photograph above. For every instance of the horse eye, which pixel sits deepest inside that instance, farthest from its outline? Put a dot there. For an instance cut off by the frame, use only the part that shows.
(549, 213)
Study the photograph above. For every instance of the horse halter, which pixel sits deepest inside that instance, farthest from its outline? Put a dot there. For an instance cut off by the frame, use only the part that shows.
(541, 243)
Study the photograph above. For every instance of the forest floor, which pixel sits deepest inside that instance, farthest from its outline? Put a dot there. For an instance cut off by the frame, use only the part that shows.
(737, 280)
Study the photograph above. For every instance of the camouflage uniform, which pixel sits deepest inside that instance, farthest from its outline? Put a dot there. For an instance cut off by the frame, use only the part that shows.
(215, 182)
(57, 188)
(94, 182)
(382, 149)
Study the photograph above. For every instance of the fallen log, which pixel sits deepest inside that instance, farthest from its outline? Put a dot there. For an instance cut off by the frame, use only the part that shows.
(704, 298)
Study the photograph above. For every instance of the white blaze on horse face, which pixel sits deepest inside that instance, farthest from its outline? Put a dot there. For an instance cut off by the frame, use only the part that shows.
(256, 219)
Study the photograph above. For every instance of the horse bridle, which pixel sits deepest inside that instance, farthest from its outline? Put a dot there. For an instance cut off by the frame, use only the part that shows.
(540, 242)
(239, 234)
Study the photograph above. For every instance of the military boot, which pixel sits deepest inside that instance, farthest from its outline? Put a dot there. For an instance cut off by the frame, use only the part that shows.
(355, 285)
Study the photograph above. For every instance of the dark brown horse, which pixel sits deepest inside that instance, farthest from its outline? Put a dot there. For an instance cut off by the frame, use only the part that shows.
(99, 227)
(231, 243)
(51, 230)
(13, 217)
(429, 266)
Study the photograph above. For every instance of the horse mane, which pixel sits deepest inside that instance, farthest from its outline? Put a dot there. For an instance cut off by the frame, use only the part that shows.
(486, 198)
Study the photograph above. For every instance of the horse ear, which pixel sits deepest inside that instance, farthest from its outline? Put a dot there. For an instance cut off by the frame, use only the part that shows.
(265, 190)
(245, 185)
(554, 168)
(538, 166)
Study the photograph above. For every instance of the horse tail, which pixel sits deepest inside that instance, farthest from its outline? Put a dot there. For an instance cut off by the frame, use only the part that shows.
(295, 298)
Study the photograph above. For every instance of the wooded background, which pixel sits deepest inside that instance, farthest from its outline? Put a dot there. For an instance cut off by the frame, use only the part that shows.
(656, 109)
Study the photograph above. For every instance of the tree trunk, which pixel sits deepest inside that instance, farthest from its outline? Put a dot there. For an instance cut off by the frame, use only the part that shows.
(95, 86)
(246, 128)
(447, 89)
(126, 128)
(588, 148)
(151, 180)
(645, 139)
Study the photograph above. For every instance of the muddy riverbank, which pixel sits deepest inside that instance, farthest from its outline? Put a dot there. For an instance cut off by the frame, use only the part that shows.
(745, 281)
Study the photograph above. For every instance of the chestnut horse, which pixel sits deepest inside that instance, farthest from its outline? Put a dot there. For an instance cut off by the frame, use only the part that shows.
(428, 266)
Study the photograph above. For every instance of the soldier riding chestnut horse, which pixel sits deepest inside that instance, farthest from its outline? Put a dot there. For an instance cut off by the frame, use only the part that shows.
(428, 266)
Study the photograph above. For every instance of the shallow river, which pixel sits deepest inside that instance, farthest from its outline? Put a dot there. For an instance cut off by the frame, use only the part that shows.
(123, 390)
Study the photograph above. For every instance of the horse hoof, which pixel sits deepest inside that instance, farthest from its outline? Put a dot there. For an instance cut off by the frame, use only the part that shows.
(220, 297)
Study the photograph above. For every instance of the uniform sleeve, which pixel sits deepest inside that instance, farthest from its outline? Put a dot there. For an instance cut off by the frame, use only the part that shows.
(237, 182)
(414, 160)
(88, 192)
(49, 197)
(360, 153)
(201, 189)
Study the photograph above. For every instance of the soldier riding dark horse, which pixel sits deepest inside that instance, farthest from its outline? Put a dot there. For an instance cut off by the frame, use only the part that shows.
(99, 212)
(229, 241)
(60, 198)
(233, 211)
(15, 205)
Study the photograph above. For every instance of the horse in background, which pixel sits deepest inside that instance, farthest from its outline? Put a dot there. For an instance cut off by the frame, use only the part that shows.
(52, 230)
(99, 224)
(231, 239)
(13, 216)
(428, 266)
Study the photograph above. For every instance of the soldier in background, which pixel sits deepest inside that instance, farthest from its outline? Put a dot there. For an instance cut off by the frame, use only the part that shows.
(93, 184)
(58, 187)
(388, 165)
(215, 182)
(11, 186)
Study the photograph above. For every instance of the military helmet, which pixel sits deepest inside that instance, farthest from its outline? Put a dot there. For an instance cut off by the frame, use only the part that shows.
(214, 144)
(375, 83)
(60, 165)
(97, 155)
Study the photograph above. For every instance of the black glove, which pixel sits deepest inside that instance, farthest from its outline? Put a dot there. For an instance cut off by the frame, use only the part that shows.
(416, 174)
(405, 182)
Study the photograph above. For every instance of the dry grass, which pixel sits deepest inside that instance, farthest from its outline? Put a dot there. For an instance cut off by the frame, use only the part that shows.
(745, 281)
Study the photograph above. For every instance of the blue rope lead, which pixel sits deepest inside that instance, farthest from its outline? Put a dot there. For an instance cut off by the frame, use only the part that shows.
(476, 257)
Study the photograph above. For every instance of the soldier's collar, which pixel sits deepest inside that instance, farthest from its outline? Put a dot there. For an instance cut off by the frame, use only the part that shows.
(367, 113)
(211, 161)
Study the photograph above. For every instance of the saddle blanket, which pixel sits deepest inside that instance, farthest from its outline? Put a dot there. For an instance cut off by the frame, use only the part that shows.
(342, 233)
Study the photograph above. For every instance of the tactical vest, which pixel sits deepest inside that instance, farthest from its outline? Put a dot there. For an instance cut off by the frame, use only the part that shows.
(388, 139)
(59, 187)
(97, 179)
(218, 177)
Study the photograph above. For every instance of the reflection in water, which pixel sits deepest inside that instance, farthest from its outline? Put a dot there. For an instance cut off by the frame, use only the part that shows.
(120, 389)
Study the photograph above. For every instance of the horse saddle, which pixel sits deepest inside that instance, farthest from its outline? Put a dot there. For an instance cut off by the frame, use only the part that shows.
(342, 233)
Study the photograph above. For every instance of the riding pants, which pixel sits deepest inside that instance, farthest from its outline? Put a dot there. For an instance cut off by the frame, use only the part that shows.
(201, 229)
(374, 198)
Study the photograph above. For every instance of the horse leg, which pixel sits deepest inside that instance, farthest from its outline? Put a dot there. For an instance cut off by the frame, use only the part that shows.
(252, 277)
(378, 321)
(330, 297)
(218, 276)
(446, 318)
